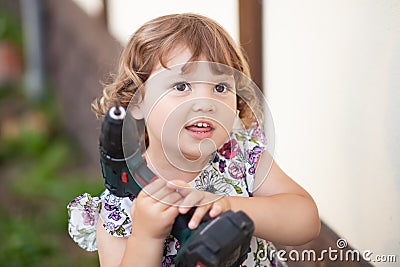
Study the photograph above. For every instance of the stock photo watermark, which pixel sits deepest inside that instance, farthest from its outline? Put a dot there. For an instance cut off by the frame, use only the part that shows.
(339, 253)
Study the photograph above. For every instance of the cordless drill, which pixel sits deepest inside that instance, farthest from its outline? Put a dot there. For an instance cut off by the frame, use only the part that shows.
(218, 242)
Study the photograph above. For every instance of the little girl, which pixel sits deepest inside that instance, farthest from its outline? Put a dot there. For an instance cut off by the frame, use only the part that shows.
(186, 78)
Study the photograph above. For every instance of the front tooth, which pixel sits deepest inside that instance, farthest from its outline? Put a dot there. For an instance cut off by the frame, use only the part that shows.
(201, 124)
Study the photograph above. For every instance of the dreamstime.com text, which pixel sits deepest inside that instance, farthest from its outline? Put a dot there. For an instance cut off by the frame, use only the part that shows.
(340, 253)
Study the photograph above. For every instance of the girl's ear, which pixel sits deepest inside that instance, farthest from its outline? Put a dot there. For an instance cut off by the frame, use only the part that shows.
(137, 113)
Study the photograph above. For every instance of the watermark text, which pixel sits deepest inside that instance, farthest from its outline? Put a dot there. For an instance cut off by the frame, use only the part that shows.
(339, 253)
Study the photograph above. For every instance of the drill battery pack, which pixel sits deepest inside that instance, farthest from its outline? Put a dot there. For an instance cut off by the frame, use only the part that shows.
(221, 242)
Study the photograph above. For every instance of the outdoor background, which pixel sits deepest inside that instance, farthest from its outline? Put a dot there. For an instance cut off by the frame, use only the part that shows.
(331, 75)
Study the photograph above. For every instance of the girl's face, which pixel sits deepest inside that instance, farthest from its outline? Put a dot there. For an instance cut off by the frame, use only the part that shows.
(189, 109)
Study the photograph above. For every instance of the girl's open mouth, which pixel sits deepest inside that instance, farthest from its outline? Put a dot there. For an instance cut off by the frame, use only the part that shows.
(200, 129)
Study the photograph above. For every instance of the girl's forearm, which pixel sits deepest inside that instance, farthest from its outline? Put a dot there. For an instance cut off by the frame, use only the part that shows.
(142, 251)
(288, 219)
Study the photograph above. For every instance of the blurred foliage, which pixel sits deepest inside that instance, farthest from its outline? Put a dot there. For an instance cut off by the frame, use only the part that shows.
(42, 169)
(41, 172)
(10, 27)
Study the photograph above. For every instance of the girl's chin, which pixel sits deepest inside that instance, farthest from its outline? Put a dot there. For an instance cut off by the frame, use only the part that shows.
(190, 162)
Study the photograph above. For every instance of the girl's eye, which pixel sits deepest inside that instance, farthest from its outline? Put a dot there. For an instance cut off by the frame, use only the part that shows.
(221, 88)
(181, 87)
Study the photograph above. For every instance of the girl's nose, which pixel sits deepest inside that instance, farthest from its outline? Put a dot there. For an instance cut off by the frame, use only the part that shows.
(204, 105)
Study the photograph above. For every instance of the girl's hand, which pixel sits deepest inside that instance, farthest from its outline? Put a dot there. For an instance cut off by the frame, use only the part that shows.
(202, 200)
(154, 211)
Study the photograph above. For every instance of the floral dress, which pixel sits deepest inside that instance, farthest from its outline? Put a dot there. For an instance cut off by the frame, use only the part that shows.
(229, 172)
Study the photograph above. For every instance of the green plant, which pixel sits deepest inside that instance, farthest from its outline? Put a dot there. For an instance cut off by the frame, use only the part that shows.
(10, 27)
(41, 172)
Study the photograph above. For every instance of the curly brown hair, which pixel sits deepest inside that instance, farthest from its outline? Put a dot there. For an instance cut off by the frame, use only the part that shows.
(153, 41)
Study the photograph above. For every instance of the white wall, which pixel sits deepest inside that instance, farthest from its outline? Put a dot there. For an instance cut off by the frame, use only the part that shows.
(332, 73)
(92, 7)
(125, 16)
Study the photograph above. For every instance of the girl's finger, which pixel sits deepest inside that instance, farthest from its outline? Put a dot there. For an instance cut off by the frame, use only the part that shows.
(171, 199)
(158, 191)
(216, 209)
(181, 187)
(154, 186)
(190, 200)
(198, 216)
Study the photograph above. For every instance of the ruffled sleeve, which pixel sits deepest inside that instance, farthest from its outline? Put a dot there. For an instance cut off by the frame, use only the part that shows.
(114, 212)
(83, 215)
(85, 210)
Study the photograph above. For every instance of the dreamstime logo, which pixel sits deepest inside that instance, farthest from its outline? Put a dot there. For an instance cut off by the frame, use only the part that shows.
(340, 253)
(341, 243)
